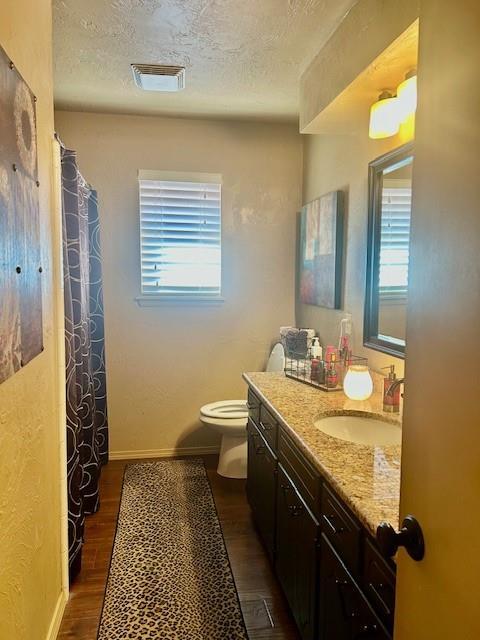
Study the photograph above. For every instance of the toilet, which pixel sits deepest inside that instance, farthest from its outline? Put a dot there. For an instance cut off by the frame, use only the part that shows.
(229, 418)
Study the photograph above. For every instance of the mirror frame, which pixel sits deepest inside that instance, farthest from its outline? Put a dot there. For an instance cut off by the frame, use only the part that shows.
(370, 322)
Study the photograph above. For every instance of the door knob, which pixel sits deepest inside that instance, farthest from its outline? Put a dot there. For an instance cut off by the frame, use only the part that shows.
(410, 536)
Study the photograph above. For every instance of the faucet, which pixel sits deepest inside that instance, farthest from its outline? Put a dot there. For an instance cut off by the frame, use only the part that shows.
(396, 383)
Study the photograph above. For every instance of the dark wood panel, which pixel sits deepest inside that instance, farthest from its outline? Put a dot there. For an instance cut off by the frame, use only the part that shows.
(296, 555)
(343, 531)
(300, 470)
(261, 486)
(261, 599)
(344, 612)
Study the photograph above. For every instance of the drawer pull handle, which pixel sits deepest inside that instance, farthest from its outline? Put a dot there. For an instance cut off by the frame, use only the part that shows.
(286, 487)
(295, 510)
(367, 628)
(252, 407)
(377, 594)
(328, 520)
(260, 449)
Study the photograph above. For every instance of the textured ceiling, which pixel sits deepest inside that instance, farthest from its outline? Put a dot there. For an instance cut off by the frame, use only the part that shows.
(243, 58)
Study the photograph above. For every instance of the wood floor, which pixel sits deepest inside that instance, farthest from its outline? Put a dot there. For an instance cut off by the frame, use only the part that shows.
(264, 608)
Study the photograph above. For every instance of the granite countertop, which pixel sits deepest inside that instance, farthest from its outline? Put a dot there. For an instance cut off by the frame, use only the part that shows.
(366, 477)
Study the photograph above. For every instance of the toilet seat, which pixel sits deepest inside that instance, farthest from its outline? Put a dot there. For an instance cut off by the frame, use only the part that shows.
(226, 410)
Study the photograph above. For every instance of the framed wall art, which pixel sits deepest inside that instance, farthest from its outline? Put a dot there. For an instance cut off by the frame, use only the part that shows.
(20, 266)
(321, 251)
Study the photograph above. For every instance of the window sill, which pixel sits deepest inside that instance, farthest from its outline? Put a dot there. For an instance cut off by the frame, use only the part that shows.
(161, 301)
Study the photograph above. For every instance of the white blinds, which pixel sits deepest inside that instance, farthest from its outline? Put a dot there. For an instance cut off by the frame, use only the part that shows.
(395, 241)
(180, 227)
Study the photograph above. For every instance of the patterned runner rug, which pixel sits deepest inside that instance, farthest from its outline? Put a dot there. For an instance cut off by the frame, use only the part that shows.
(170, 576)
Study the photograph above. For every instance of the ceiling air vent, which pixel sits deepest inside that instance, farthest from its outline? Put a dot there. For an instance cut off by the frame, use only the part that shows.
(158, 77)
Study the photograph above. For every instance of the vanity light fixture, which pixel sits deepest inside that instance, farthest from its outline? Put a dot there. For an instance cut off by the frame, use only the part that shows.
(358, 383)
(384, 117)
(391, 114)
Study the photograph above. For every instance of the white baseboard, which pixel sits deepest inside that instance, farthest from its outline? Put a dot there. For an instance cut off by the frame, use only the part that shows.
(57, 616)
(163, 453)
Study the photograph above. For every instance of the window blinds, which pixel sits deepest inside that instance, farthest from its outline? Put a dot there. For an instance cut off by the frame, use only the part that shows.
(180, 227)
(394, 241)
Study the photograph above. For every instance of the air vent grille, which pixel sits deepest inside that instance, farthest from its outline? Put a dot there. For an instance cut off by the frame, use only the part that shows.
(159, 77)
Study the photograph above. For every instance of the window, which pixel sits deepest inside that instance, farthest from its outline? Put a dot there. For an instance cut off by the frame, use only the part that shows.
(395, 238)
(180, 230)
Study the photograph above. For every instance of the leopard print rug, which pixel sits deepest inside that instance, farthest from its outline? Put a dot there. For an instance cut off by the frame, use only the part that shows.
(170, 576)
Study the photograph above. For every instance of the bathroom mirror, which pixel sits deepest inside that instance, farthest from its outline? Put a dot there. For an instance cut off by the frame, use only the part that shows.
(390, 200)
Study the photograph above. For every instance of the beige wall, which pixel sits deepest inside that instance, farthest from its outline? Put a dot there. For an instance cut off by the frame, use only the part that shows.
(31, 598)
(341, 162)
(163, 363)
(439, 597)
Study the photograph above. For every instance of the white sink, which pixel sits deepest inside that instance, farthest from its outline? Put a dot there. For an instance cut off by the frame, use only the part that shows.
(361, 430)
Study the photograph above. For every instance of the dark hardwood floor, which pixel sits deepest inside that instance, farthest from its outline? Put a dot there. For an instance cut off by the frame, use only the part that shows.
(264, 608)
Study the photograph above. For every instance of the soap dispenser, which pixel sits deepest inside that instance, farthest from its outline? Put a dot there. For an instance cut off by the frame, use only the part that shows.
(391, 401)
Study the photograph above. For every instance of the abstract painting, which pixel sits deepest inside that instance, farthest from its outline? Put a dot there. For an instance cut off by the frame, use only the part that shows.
(321, 251)
(20, 267)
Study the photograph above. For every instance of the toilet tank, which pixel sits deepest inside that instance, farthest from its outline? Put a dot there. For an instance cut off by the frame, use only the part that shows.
(276, 361)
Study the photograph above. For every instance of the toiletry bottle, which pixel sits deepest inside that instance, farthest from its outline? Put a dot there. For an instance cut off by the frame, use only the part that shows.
(345, 338)
(331, 379)
(328, 353)
(314, 369)
(316, 349)
(391, 401)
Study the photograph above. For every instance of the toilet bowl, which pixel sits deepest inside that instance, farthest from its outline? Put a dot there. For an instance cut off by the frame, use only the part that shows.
(229, 418)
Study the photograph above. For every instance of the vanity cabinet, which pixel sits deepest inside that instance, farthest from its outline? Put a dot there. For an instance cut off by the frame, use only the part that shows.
(296, 554)
(337, 584)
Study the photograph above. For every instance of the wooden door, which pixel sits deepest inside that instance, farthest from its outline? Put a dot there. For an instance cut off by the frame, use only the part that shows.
(344, 613)
(261, 487)
(438, 598)
(296, 556)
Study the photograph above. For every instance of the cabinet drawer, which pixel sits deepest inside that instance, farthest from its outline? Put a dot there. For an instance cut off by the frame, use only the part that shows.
(268, 427)
(341, 529)
(253, 407)
(300, 470)
(379, 584)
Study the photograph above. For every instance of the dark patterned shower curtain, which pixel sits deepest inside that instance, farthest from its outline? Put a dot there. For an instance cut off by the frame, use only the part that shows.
(87, 424)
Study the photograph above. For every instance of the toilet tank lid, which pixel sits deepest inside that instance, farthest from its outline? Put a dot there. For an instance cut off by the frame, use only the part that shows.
(276, 361)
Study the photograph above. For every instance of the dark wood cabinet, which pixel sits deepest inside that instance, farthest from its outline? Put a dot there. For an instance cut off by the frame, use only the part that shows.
(344, 612)
(337, 584)
(261, 486)
(296, 556)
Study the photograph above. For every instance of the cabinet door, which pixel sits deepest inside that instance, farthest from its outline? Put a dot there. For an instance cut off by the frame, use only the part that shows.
(261, 486)
(296, 557)
(344, 613)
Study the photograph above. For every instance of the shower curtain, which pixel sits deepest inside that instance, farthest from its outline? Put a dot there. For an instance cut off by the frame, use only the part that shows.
(87, 423)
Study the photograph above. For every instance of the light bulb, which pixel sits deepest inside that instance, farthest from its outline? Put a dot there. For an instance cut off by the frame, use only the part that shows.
(384, 117)
(358, 383)
(407, 98)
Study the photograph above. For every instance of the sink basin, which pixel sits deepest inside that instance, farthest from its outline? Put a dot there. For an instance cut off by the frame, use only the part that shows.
(361, 430)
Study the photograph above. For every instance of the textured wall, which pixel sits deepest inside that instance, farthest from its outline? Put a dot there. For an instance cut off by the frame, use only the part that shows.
(164, 363)
(30, 473)
(341, 162)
